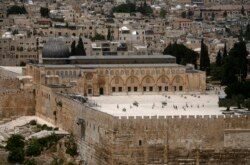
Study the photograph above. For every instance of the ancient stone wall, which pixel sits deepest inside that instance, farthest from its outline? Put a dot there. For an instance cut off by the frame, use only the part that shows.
(13, 100)
(158, 140)
(16, 103)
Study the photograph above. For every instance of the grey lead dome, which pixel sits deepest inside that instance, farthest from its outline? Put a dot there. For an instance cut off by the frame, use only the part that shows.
(55, 49)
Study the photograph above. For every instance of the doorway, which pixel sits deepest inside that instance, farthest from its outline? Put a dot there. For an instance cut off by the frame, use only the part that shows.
(101, 91)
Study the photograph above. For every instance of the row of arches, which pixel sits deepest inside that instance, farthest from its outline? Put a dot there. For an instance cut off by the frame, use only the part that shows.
(146, 84)
(117, 80)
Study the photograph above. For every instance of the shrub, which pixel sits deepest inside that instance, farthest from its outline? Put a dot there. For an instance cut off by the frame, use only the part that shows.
(14, 142)
(57, 161)
(33, 122)
(49, 140)
(33, 148)
(16, 155)
(71, 146)
(30, 162)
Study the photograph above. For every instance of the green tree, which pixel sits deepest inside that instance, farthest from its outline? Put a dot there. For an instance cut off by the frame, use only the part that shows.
(184, 14)
(247, 104)
(239, 99)
(228, 75)
(163, 13)
(73, 48)
(225, 51)
(109, 36)
(124, 8)
(226, 103)
(80, 48)
(98, 37)
(145, 9)
(183, 54)
(16, 155)
(44, 12)
(247, 33)
(204, 58)
(238, 88)
(239, 55)
(15, 141)
(216, 72)
(218, 59)
(242, 11)
(16, 10)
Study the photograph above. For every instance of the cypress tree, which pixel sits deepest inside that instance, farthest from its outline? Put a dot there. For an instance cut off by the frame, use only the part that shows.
(224, 55)
(235, 65)
(73, 48)
(109, 37)
(204, 58)
(247, 33)
(242, 11)
(218, 59)
(80, 48)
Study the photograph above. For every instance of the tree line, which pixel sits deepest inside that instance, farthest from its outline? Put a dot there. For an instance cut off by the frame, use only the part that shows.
(230, 69)
(144, 8)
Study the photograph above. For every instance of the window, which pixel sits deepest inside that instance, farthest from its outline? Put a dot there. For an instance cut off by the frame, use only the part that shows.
(180, 88)
(150, 89)
(144, 89)
(120, 89)
(140, 142)
(166, 88)
(174, 88)
(159, 88)
(129, 89)
(135, 89)
(113, 89)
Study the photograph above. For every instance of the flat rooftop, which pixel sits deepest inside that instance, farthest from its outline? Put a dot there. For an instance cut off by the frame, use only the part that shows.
(115, 57)
(106, 65)
(152, 105)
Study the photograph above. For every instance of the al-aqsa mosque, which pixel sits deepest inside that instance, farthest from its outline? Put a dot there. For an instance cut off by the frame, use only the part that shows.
(113, 75)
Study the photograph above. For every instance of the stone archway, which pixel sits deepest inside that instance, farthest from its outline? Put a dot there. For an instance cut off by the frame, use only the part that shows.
(117, 84)
(178, 83)
(148, 84)
(163, 84)
(132, 84)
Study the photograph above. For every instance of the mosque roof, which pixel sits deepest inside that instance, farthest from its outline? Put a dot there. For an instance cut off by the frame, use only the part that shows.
(55, 48)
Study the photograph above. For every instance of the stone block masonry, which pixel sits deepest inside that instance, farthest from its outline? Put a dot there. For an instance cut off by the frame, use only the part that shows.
(14, 101)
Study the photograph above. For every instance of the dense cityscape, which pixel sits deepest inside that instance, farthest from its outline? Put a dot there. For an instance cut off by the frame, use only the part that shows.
(125, 82)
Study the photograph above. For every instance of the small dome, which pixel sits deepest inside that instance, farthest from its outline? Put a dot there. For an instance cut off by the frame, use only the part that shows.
(55, 49)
